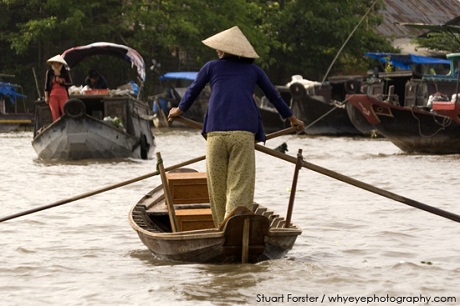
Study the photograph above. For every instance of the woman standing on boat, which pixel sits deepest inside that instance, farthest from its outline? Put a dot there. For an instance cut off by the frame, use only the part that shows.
(232, 123)
(56, 85)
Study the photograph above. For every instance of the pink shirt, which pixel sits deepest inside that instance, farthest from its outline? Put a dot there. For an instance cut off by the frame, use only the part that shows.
(57, 89)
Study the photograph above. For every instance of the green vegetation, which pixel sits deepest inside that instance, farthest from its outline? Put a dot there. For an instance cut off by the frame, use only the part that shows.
(291, 37)
(444, 39)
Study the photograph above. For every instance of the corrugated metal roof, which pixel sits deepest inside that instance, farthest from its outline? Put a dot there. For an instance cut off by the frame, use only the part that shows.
(416, 11)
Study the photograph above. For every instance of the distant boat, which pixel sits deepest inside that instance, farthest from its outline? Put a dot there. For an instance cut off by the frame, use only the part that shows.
(404, 75)
(271, 118)
(416, 122)
(11, 118)
(100, 123)
(175, 85)
(321, 105)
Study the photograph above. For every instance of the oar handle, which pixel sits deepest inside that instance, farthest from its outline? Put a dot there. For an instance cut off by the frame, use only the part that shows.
(189, 122)
(289, 130)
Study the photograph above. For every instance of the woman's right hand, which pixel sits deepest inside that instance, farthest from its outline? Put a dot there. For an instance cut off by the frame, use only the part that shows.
(174, 112)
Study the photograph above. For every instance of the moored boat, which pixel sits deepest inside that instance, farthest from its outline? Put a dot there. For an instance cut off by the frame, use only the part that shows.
(412, 129)
(174, 86)
(413, 116)
(321, 105)
(403, 75)
(184, 230)
(11, 117)
(271, 118)
(98, 123)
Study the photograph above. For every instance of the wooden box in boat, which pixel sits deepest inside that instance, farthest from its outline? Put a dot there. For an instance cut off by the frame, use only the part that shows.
(193, 219)
(188, 187)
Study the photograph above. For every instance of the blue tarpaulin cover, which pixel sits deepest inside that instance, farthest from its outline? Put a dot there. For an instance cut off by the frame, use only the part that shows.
(405, 61)
(8, 90)
(186, 75)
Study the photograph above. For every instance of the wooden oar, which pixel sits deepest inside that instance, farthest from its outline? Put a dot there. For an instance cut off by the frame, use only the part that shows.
(285, 131)
(88, 194)
(199, 126)
(346, 179)
(189, 122)
(362, 185)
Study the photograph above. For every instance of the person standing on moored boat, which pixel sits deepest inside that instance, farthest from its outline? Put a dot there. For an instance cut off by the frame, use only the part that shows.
(57, 82)
(232, 124)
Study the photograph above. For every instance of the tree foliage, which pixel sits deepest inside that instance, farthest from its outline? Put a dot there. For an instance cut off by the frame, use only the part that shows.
(291, 36)
(311, 33)
(441, 41)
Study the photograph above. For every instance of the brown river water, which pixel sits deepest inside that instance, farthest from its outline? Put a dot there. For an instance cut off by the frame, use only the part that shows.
(357, 248)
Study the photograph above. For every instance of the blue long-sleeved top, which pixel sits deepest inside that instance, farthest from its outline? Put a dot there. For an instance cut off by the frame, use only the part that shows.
(231, 104)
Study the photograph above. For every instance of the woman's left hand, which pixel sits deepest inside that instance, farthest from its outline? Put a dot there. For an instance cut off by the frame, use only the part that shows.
(297, 123)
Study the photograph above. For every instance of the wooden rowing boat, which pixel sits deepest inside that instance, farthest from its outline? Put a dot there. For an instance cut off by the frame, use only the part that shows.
(244, 236)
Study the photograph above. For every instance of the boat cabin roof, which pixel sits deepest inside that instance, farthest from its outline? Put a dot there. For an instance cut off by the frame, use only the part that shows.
(76, 54)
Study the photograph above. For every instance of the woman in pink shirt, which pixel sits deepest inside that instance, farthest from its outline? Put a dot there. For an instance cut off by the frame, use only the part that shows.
(57, 83)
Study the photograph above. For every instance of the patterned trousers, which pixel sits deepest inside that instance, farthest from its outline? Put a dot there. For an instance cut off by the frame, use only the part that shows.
(230, 164)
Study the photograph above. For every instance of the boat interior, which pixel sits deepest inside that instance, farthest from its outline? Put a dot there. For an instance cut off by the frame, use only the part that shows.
(191, 207)
(98, 106)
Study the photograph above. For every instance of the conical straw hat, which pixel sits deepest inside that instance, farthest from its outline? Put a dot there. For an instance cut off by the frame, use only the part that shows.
(57, 59)
(232, 41)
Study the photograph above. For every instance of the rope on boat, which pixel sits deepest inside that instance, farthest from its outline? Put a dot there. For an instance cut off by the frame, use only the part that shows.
(337, 104)
(159, 161)
(446, 122)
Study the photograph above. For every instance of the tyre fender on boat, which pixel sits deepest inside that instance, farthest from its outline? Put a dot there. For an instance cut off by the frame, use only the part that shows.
(74, 108)
(297, 91)
(352, 86)
(145, 146)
